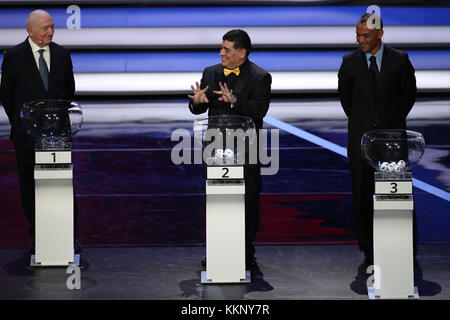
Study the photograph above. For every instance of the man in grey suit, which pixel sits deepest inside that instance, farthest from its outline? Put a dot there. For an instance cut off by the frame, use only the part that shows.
(34, 69)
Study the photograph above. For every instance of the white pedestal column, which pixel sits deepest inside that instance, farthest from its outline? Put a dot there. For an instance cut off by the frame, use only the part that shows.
(54, 242)
(225, 226)
(393, 238)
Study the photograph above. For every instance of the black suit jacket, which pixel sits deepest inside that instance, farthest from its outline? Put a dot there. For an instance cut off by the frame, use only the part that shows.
(21, 82)
(252, 90)
(367, 110)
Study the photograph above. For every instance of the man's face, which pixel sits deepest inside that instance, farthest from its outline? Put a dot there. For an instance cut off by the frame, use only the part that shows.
(231, 58)
(41, 30)
(368, 39)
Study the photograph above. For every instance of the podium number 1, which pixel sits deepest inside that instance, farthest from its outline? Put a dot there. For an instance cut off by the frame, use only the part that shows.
(394, 187)
(226, 172)
(54, 156)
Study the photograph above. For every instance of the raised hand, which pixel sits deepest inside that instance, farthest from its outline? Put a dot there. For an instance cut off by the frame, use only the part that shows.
(199, 95)
(226, 94)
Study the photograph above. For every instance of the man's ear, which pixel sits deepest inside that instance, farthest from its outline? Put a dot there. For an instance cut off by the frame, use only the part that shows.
(380, 33)
(242, 53)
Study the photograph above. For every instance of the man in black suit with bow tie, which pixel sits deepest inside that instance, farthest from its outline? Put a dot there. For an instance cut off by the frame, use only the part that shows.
(377, 89)
(237, 86)
(34, 69)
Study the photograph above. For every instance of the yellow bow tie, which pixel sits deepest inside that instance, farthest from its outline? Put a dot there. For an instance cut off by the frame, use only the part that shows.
(227, 72)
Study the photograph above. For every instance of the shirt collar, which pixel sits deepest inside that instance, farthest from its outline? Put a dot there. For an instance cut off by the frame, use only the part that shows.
(378, 55)
(35, 47)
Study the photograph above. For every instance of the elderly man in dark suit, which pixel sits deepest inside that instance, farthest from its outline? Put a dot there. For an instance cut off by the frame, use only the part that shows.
(34, 69)
(237, 86)
(377, 89)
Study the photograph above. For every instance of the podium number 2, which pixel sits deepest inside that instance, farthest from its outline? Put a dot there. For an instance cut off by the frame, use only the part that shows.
(226, 172)
(394, 187)
(54, 156)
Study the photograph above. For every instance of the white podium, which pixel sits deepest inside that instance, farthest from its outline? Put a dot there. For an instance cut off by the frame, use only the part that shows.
(393, 237)
(54, 238)
(392, 153)
(225, 226)
(52, 123)
(226, 141)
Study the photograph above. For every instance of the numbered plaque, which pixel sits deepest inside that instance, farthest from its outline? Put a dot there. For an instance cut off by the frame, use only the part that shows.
(393, 187)
(53, 157)
(225, 173)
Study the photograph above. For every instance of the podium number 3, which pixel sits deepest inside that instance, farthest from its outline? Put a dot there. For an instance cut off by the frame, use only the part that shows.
(226, 172)
(394, 187)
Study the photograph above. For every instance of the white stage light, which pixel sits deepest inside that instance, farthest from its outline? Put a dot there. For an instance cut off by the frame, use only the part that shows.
(273, 36)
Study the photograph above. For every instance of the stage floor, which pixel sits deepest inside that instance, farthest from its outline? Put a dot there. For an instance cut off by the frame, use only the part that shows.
(130, 193)
(173, 273)
(141, 218)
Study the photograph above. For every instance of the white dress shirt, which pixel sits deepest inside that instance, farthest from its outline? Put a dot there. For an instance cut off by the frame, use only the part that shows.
(35, 48)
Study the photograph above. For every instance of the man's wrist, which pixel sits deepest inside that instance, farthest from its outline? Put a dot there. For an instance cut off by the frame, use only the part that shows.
(233, 101)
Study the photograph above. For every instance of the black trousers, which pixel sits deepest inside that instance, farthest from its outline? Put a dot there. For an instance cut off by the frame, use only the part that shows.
(362, 176)
(25, 160)
(363, 187)
(253, 183)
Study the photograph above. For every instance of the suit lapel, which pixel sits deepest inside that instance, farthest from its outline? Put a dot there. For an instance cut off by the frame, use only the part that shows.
(366, 73)
(53, 66)
(242, 80)
(218, 77)
(34, 70)
(384, 68)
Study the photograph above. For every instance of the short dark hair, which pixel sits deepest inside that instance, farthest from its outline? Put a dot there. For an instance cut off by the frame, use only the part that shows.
(240, 40)
(366, 17)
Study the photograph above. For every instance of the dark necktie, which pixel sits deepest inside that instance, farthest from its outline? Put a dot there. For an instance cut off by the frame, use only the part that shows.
(376, 80)
(43, 69)
(374, 69)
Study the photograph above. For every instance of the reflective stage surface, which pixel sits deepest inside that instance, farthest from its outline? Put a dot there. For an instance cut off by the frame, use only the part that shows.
(173, 273)
(130, 194)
